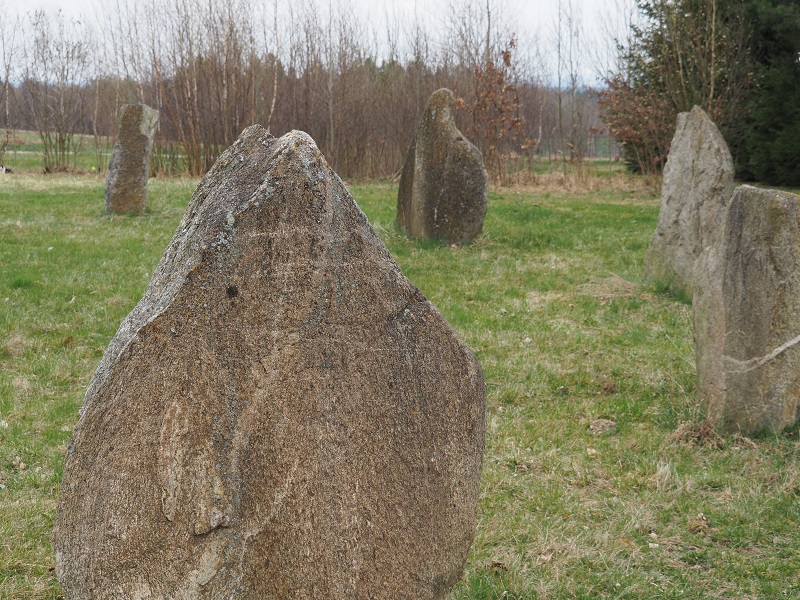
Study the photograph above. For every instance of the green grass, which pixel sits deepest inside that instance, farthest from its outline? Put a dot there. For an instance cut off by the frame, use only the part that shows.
(551, 300)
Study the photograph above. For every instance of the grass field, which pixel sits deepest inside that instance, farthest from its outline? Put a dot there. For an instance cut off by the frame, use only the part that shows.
(551, 300)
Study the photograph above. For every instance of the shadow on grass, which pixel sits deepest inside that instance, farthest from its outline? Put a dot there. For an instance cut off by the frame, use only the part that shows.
(674, 291)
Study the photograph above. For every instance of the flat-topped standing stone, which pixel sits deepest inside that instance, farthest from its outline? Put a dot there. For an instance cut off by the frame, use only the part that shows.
(443, 184)
(129, 168)
(283, 414)
(697, 187)
(747, 315)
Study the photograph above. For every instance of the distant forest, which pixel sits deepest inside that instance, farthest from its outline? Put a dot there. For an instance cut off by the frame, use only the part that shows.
(213, 68)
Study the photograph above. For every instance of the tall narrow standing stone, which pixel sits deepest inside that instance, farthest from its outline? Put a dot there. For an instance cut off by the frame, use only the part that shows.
(443, 184)
(747, 315)
(129, 169)
(283, 414)
(697, 187)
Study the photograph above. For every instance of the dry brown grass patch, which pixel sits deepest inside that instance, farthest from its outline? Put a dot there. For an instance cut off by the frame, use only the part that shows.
(558, 182)
(15, 345)
(22, 385)
(697, 434)
(614, 287)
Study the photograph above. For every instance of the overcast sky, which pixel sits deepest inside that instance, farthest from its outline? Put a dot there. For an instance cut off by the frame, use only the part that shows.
(530, 14)
(529, 19)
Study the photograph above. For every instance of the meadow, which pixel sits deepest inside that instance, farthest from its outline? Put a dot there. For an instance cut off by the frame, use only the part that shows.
(552, 301)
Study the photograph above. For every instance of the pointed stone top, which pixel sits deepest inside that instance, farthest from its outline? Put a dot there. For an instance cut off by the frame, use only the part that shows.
(696, 190)
(282, 413)
(442, 191)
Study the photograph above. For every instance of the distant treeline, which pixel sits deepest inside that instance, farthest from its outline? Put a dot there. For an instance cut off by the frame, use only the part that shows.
(213, 68)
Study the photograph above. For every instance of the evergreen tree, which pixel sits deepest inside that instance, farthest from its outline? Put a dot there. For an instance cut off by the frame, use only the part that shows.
(770, 151)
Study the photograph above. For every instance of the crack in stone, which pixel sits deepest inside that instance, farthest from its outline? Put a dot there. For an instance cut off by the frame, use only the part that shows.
(745, 366)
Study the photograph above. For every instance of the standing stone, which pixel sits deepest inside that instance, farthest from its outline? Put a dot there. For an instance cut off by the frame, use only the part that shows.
(747, 315)
(697, 187)
(443, 184)
(283, 414)
(129, 169)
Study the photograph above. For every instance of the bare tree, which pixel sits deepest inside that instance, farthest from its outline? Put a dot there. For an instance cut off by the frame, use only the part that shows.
(570, 98)
(55, 71)
(9, 46)
(331, 69)
(275, 62)
(481, 48)
(497, 122)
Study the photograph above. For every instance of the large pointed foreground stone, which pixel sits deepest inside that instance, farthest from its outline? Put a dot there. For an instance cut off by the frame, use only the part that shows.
(129, 168)
(747, 315)
(442, 191)
(283, 414)
(696, 190)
